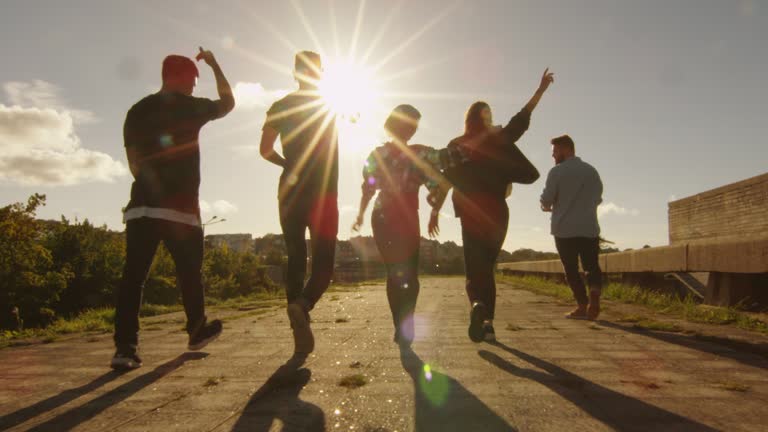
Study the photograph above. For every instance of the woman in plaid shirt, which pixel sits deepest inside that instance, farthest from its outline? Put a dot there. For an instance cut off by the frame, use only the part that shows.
(397, 170)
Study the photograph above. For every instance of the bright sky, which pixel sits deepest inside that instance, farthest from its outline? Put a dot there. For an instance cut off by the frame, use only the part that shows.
(664, 98)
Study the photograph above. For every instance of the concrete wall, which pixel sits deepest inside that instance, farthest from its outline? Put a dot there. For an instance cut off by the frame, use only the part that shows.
(735, 210)
(732, 256)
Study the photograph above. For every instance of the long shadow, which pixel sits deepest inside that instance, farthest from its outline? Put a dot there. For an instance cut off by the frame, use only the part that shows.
(443, 404)
(750, 354)
(279, 399)
(614, 409)
(18, 417)
(90, 409)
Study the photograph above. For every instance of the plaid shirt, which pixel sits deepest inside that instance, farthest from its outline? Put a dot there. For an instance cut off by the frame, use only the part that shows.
(399, 172)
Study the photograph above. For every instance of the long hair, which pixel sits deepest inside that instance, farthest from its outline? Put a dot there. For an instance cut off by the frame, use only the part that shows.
(473, 120)
(400, 117)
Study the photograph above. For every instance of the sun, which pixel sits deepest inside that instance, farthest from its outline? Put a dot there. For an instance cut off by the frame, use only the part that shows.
(349, 89)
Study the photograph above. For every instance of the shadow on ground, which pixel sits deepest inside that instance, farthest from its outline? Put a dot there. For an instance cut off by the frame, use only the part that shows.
(443, 404)
(70, 419)
(750, 354)
(16, 418)
(279, 399)
(612, 408)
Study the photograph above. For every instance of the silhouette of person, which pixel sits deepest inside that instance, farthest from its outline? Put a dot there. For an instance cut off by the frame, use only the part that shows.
(481, 164)
(397, 170)
(308, 189)
(572, 193)
(161, 142)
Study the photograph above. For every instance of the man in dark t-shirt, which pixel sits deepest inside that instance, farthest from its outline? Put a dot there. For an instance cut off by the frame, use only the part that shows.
(307, 194)
(161, 142)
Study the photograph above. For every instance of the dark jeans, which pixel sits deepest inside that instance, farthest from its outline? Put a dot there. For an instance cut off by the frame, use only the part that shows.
(398, 239)
(570, 249)
(483, 233)
(185, 244)
(321, 216)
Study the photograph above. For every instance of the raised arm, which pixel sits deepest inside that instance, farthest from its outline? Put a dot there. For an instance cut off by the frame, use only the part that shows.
(226, 100)
(547, 78)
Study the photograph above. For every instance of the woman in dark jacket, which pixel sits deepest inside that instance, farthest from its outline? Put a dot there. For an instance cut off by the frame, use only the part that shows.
(481, 165)
(397, 170)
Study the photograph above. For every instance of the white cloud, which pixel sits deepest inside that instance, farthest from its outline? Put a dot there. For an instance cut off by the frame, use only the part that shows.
(42, 94)
(250, 96)
(220, 207)
(39, 146)
(611, 208)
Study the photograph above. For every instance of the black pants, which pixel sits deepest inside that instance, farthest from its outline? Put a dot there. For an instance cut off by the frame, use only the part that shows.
(321, 216)
(185, 244)
(483, 237)
(398, 238)
(588, 248)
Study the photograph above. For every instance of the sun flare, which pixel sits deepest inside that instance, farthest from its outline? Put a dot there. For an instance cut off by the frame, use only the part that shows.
(349, 90)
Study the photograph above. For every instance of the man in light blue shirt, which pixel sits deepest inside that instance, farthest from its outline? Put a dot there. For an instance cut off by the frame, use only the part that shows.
(572, 193)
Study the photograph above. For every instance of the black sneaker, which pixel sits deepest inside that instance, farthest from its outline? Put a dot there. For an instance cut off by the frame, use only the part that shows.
(126, 359)
(490, 334)
(476, 319)
(205, 334)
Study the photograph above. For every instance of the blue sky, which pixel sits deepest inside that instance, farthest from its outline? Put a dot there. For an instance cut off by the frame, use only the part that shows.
(664, 98)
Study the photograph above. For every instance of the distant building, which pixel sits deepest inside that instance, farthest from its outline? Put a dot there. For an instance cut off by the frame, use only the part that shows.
(235, 242)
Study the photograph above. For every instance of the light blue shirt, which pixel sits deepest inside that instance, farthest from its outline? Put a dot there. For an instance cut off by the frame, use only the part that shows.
(574, 190)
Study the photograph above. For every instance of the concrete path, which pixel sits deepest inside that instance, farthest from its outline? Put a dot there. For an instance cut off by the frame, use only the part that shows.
(546, 374)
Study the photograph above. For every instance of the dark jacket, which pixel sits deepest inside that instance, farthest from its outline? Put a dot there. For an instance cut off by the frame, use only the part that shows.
(481, 171)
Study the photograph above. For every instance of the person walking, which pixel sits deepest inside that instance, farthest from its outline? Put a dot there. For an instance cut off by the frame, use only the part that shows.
(481, 165)
(161, 142)
(572, 193)
(397, 170)
(307, 192)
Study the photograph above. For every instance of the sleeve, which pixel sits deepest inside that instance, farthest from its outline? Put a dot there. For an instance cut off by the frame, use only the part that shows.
(517, 126)
(599, 189)
(518, 168)
(549, 196)
(370, 171)
(274, 117)
(426, 165)
(206, 110)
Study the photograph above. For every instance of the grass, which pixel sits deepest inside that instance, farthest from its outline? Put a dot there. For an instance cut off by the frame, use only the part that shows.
(685, 308)
(353, 381)
(100, 320)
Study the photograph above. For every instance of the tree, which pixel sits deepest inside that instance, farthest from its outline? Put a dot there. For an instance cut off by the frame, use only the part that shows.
(28, 280)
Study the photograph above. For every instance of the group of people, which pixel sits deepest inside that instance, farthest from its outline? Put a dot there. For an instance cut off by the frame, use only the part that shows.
(161, 139)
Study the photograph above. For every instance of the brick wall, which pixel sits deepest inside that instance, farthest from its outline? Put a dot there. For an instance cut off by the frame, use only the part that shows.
(735, 210)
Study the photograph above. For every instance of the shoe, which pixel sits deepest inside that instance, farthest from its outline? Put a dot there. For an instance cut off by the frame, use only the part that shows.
(126, 359)
(580, 313)
(205, 334)
(476, 319)
(303, 339)
(490, 334)
(593, 310)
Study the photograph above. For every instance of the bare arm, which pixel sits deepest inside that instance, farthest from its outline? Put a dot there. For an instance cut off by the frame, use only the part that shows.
(226, 100)
(368, 194)
(267, 147)
(546, 79)
(437, 199)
